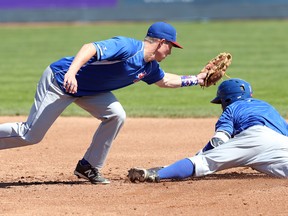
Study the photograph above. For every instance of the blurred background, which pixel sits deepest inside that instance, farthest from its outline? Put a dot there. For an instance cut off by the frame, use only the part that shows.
(35, 33)
(139, 10)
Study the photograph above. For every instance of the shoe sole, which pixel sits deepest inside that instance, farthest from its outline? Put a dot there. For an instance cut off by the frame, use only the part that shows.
(137, 175)
(79, 175)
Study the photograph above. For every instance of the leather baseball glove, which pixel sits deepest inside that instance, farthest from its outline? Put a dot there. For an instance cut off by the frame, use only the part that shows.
(216, 68)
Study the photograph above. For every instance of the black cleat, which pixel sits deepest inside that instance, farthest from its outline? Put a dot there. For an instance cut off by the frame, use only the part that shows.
(90, 173)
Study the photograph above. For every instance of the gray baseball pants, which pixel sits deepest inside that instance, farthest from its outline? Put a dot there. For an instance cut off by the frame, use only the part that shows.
(258, 147)
(49, 102)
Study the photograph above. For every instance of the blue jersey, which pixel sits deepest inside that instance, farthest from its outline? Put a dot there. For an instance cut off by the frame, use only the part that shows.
(243, 114)
(119, 63)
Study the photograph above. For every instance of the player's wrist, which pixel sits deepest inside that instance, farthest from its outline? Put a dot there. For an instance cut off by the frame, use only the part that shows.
(189, 80)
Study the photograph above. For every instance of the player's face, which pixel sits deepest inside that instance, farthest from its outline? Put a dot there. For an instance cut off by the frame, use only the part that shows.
(164, 49)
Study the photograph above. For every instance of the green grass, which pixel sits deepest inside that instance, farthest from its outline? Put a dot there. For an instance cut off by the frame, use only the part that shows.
(259, 50)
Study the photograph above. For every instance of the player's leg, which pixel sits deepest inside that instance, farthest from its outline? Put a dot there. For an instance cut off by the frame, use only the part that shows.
(274, 160)
(258, 147)
(245, 149)
(233, 153)
(49, 102)
(106, 108)
(179, 170)
(276, 165)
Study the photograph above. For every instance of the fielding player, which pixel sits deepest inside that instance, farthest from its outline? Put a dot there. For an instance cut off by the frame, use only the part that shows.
(87, 80)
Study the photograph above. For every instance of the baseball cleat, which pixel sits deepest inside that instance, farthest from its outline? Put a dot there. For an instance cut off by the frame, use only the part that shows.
(90, 173)
(143, 175)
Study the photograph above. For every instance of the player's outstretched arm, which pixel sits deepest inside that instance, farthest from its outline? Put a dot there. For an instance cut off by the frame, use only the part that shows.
(176, 81)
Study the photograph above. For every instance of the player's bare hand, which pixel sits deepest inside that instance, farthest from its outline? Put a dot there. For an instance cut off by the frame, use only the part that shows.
(70, 83)
(201, 77)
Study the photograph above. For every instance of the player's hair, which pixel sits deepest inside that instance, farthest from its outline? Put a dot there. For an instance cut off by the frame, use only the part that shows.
(151, 39)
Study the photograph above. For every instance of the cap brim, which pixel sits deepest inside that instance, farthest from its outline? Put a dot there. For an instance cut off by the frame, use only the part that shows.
(175, 44)
(216, 100)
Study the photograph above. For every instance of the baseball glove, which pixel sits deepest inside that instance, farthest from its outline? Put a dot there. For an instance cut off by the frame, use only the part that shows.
(216, 69)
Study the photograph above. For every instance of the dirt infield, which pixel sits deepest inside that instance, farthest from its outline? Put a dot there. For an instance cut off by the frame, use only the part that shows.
(39, 180)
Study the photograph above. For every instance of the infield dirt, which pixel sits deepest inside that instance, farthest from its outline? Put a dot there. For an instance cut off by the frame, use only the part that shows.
(39, 180)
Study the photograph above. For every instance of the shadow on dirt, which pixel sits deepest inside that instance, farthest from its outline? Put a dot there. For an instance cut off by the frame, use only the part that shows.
(34, 183)
(217, 176)
(232, 175)
(228, 176)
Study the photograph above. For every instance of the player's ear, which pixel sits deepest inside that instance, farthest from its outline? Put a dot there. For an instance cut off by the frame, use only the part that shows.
(162, 41)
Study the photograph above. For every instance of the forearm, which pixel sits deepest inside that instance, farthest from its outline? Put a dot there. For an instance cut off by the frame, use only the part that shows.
(218, 139)
(170, 81)
(83, 56)
(176, 81)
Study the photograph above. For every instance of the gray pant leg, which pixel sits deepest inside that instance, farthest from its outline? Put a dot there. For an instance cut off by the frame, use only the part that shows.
(258, 147)
(273, 161)
(49, 103)
(106, 108)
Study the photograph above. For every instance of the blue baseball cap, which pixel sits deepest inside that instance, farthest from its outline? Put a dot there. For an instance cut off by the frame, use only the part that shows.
(163, 30)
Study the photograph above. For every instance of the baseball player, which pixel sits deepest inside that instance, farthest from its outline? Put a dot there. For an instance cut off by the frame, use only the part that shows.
(249, 132)
(87, 80)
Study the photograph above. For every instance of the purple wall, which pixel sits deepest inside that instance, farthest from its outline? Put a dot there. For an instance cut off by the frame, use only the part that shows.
(138, 10)
(32, 4)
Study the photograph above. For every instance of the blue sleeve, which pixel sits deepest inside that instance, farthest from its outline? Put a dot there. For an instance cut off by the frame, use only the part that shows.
(116, 48)
(225, 122)
(155, 73)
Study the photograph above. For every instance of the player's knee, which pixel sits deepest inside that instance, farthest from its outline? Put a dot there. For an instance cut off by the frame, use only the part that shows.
(116, 114)
(121, 115)
(31, 140)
